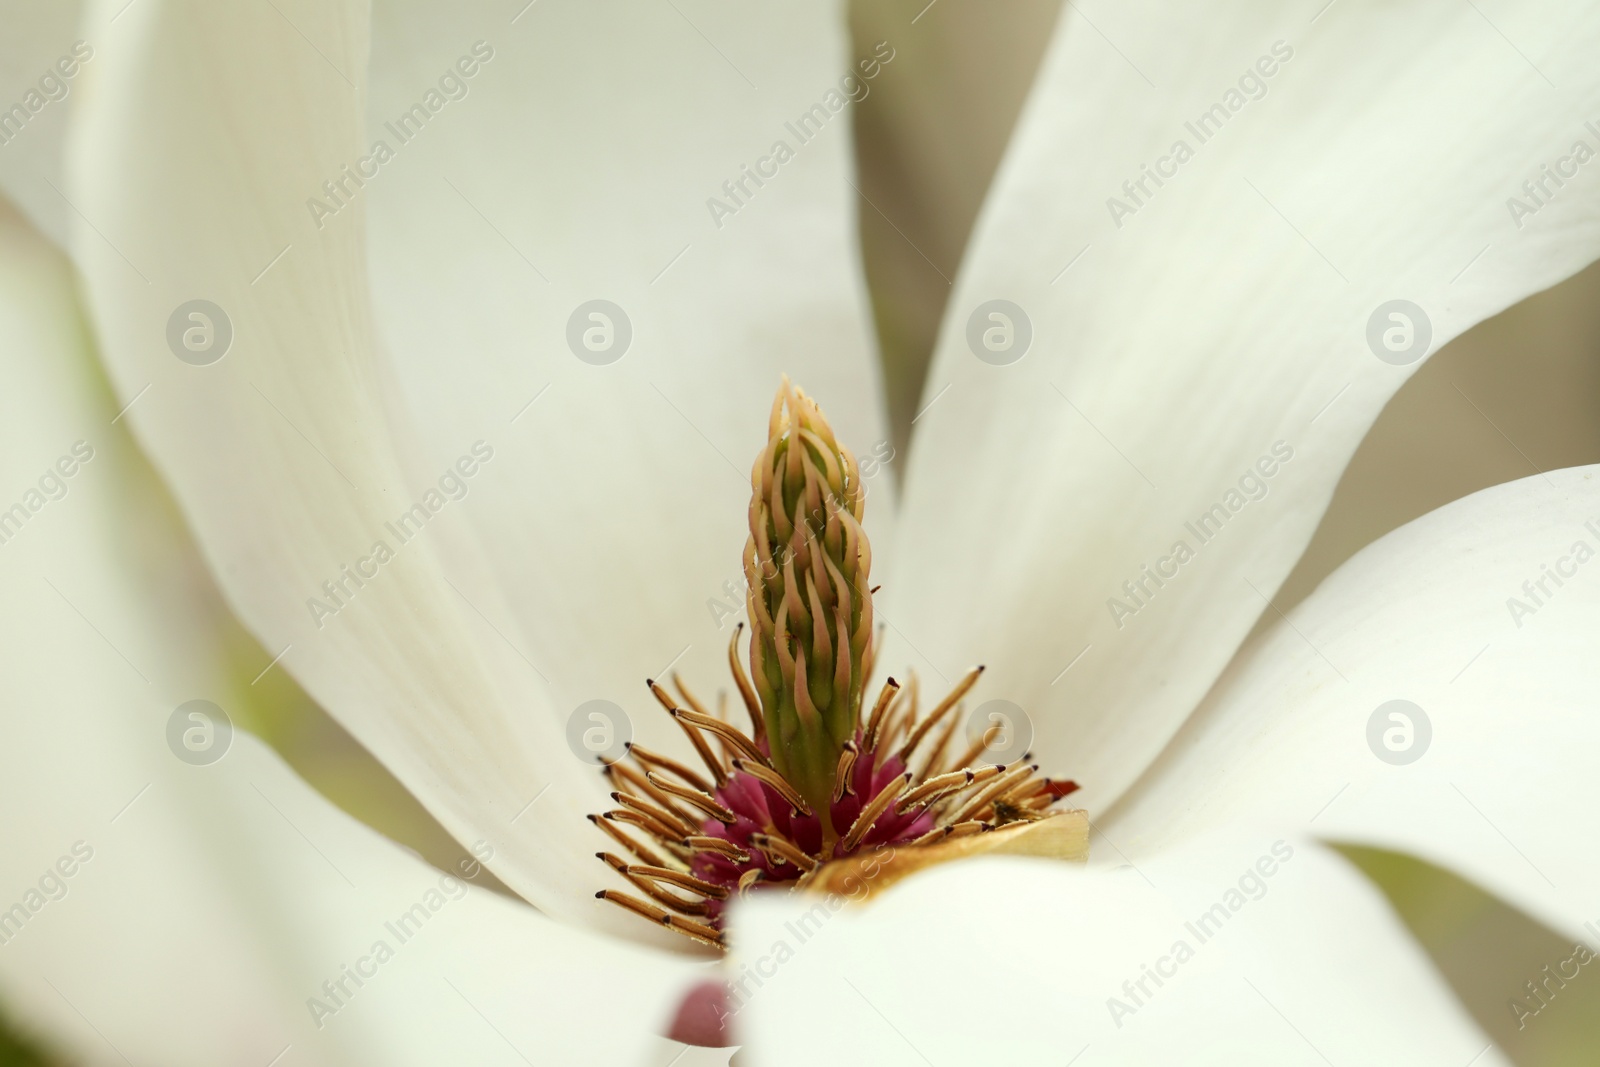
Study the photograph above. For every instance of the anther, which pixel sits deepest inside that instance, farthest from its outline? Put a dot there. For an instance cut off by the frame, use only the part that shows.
(841, 774)
(666, 763)
(776, 782)
(697, 797)
(719, 845)
(782, 851)
(870, 813)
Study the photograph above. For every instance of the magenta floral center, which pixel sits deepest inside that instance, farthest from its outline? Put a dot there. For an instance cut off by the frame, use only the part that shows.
(759, 809)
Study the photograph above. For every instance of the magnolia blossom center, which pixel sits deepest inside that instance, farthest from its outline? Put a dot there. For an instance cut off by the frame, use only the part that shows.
(815, 783)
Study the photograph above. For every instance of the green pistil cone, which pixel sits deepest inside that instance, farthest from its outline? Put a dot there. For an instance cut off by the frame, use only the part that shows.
(807, 565)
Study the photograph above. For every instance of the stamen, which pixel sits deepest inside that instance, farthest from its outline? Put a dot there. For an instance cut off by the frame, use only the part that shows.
(639, 783)
(875, 722)
(727, 733)
(662, 815)
(747, 692)
(724, 746)
(870, 813)
(661, 896)
(935, 788)
(900, 712)
(1030, 787)
(935, 762)
(773, 780)
(987, 794)
(663, 833)
(645, 853)
(698, 931)
(688, 697)
(666, 763)
(912, 703)
(979, 746)
(720, 845)
(782, 851)
(713, 764)
(939, 711)
(699, 798)
(678, 878)
(633, 904)
(841, 776)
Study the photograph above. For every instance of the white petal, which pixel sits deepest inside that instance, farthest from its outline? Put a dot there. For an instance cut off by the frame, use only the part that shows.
(212, 912)
(1225, 319)
(191, 163)
(1499, 785)
(614, 514)
(1018, 961)
(47, 62)
(162, 911)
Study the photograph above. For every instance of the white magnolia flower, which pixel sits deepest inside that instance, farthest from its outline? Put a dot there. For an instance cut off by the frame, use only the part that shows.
(396, 220)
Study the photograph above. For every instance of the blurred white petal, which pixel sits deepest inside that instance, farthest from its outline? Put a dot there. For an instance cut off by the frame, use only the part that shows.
(47, 62)
(159, 911)
(1018, 961)
(1498, 785)
(580, 162)
(191, 162)
(1226, 317)
(214, 909)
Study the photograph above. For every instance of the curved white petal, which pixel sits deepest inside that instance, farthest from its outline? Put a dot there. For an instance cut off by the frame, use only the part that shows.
(1499, 785)
(1218, 324)
(192, 160)
(211, 914)
(1198, 956)
(585, 159)
(45, 62)
(156, 910)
